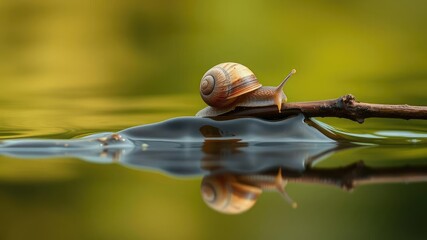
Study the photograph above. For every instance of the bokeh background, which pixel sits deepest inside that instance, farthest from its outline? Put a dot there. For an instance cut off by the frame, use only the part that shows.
(83, 57)
(70, 68)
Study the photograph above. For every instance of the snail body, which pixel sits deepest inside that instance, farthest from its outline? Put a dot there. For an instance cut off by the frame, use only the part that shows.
(229, 85)
(234, 194)
(225, 194)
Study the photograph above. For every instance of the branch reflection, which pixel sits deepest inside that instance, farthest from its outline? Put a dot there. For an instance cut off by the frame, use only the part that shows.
(239, 159)
(234, 193)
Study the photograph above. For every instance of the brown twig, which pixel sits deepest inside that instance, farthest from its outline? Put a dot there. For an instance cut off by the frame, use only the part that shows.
(357, 174)
(343, 107)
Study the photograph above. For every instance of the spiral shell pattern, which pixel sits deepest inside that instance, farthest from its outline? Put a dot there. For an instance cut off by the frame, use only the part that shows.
(222, 84)
(225, 194)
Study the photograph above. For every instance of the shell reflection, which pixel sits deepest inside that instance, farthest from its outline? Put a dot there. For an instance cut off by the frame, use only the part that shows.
(233, 193)
(225, 194)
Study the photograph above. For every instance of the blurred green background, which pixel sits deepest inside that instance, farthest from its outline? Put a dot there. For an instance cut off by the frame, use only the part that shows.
(83, 58)
(70, 68)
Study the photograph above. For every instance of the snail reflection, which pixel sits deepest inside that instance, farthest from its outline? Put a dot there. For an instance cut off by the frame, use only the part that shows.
(246, 156)
(233, 193)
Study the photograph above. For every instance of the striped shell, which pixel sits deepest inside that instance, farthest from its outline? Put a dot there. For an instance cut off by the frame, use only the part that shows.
(222, 84)
(225, 194)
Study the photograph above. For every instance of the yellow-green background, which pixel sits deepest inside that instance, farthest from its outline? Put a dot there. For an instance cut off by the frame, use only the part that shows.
(69, 68)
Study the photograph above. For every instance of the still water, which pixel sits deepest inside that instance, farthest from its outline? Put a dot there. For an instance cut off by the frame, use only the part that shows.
(187, 175)
(74, 73)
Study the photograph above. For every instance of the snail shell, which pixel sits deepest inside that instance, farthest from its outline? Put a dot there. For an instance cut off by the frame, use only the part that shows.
(233, 193)
(229, 85)
(225, 194)
(222, 84)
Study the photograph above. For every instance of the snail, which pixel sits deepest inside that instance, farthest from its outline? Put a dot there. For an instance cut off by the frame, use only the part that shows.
(225, 194)
(234, 194)
(229, 85)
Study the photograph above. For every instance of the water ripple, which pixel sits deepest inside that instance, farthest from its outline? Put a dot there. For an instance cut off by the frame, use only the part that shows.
(194, 146)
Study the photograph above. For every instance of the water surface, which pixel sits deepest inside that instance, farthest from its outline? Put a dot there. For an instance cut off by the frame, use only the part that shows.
(184, 163)
(72, 69)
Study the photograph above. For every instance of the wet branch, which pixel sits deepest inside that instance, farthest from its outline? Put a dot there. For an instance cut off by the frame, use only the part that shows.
(358, 174)
(344, 107)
